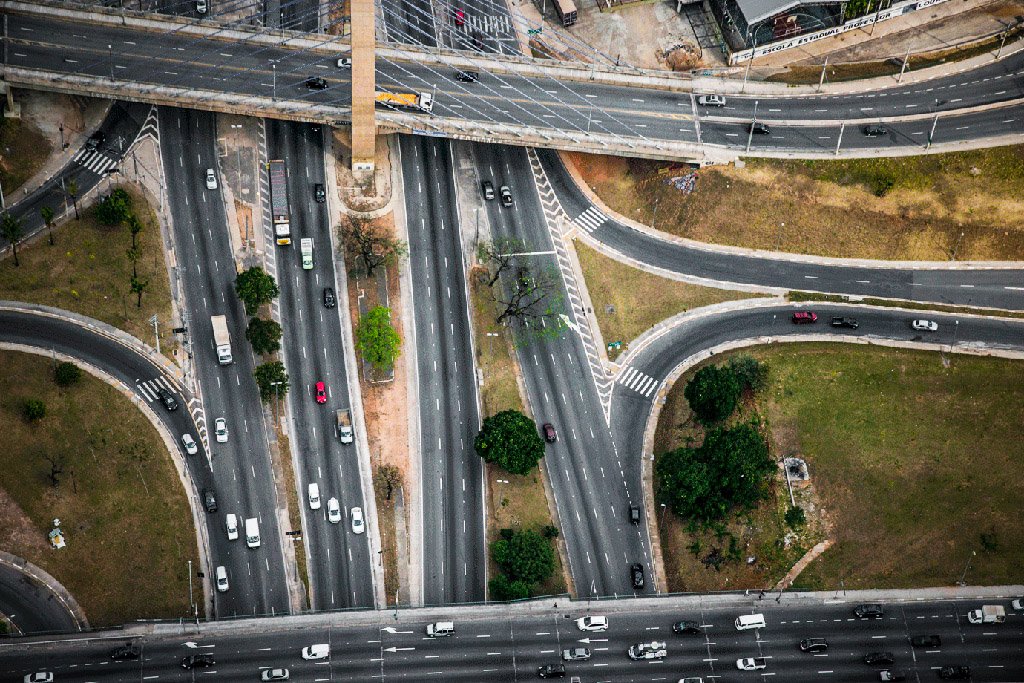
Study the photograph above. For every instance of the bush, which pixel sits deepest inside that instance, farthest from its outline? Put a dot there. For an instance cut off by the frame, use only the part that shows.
(114, 208)
(264, 335)
(255, 287)
(67, 374)
(510, 440)
(713, 393)
(502, 589)
(377, 340)
(751, 373)
(33, 410)
(795, 517)
(550, 531)
(526, 557)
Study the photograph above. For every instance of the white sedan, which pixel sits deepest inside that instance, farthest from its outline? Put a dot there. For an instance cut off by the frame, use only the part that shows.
(220, 428)
(333, 511)
(211, 179)
(189, 443)
(358, 525)
(752, 663)
(594, 623)
(39, 677)
(926, 325)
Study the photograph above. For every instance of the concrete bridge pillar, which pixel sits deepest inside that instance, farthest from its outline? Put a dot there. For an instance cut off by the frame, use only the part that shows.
(364, 83)
(12, 110)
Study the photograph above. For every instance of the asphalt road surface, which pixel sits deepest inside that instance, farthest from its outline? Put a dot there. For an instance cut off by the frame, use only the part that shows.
(31, 606)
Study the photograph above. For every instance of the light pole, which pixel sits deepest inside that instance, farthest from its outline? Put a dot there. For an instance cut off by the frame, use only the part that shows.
(273, 68)
(963, 576)
(663, 509)
(957, 245)
(63, 145)
(110, 53)
(191, 601)
(753, 120)
(277, 397)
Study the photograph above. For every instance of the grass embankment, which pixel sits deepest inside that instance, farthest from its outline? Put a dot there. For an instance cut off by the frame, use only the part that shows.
(906, 208)
(88, 271)
(629, 301)
(23, 149)
(120, 501)
(513, 501)
(913, 466)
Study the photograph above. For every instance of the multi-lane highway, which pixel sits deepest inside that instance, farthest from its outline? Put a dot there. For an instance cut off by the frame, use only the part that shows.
(511, 643)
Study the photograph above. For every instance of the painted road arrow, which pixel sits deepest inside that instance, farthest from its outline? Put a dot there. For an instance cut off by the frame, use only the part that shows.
(397, 649)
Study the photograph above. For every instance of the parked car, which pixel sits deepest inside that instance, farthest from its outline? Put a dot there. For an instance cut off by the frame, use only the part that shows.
(634, 515)
(488, 189)
(874, 131)
(926, 641)
(467, 76)
(549, 432)
(804, 317)
(220, 430)
(573, 654)
(813, 645)
(319, 651)
(925, 325)
(189, 443)
(690, 628)
(758, 128)
(845, 322)
(333, 511)
(200, 661)
(211, 179)
(592, 624)
(869, 611)
(274, 675)
(551, 671)
(955, 673)
(506, 196)
(358, 524)
(126, 651)
(167, 398)
(879, 658)
(321, 392)
(891, 675)
(209, 500)
(315, 83)
(636, 572)
(95, 140)
(319, 193)
(329, 299)
(711, 100)
(752, 663)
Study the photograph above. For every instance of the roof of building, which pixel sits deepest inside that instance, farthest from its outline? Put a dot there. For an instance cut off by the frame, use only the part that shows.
(759, 10)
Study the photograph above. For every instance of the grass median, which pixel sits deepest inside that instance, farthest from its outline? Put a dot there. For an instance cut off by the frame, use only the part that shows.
(120, 502)
(913, 465)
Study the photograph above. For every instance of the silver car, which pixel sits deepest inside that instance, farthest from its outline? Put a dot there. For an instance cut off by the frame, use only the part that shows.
(573, 654)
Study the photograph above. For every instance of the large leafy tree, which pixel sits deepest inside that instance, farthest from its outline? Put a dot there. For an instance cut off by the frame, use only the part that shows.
(729, 471)
(525, 556)
(272, 379)
(713, 393)
(510, 440)
(115, 208)
(502, 589)
(370, 243)
(264, 335)
(255, 287)
(376, 340)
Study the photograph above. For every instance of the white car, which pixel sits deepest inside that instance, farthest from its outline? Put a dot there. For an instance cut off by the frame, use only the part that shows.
(333, 511)
(344, 62)
(231, 522)
(927, 325)
(211, 179)
(189, 443)
(358, 525)
(222, 579)
(752, 663)
(220, 428)
(1017, 604)
(592, 623)
(711, 100)
(652, 650)
(40, 677)
(274, 675)
(318, 651)
(314, 496)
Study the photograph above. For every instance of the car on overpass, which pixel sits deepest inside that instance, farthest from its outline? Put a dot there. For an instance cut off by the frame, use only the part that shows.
(925, 325)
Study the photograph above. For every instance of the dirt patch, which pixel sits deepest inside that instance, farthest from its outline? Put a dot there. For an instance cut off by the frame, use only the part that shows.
(23, 150)
(963, 205)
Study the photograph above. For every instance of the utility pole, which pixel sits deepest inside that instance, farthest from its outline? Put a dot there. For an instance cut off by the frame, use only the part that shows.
(110, 53)
(191, 600)
(696, 116)
(842, 127)
(750, 134)
(273, 67)
(156, 331)
(931, 134)
(749, 61)
(821, 80)
(906, 58)
(963, 577)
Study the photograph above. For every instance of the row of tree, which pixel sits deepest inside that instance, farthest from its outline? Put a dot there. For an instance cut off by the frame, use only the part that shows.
(256, 288)
(11, 228)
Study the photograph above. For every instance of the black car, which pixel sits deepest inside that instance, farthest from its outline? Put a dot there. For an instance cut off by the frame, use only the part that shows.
(467, 76)
(689, 628)
(506, 196)
(845, 322)
(814, 645)
(488, 189)
(95, 140)
(319, 193)
(926, 641)
(758, 128)
(316, 83)
(551, 671)
(874, 131)
(634, 514)
(637, 572)
(878, 658)
(955, 673)
(167, 398)
(197, 661)
(209, 500)
(329, 300)
(550, 435)
(869, 611)
(127, 651)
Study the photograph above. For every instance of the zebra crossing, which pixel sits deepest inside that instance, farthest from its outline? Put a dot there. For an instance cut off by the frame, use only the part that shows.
(149, 387)
(95, 161)
(643, 384)
(590, 220)
(496, 26)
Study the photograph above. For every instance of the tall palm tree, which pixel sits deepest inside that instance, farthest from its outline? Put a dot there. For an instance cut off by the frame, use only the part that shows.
(10, 228)
(47, 215)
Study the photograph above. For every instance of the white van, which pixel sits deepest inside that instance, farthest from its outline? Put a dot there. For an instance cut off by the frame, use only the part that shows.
(745, 622)
(231, 522)
(440, 629)
(222, 579)
(252, 532)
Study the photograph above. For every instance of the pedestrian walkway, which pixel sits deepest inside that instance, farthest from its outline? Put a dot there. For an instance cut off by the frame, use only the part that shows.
(643, 384)
(93, 160)
(148, 388)
(590, 220)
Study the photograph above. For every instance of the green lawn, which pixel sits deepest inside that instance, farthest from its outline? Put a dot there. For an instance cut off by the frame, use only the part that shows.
(121, 504)
(914, 465)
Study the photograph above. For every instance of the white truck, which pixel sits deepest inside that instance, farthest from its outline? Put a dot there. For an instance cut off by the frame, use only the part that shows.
(306, 246)
(988, 614)
(221, 339)
(252, 532)
(344, 426)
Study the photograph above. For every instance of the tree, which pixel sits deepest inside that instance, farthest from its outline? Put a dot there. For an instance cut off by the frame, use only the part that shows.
(134, 227)
(56, 461)
(510, 440)
(33, 410)
(531, 299)
(133, 253)
(501, 589)
(67, 374)
(72, 189)
(255, 287)
(751, 373)
(376, 340)
(713, 393)
(138, 287)
(115, 208)
(272, 380)
(10, 228)
(46, 213)
(795, 517)
(526, 557)
(371, 243)
(730, 470)
(388, 479)
(264, 335)
(499, 255)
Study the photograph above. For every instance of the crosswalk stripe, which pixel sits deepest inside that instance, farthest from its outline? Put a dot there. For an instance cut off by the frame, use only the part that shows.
(93, 160)
(637, 381)
(590, 220)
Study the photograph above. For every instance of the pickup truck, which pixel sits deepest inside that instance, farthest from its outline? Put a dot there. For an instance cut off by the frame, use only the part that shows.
(344, 426)
(752, 663)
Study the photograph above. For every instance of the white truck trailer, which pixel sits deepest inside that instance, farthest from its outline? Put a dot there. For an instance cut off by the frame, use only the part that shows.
(221, 339)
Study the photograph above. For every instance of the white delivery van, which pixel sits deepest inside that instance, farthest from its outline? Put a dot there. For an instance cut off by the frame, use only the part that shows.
(440, 629)
(745, 622)
(232, 525)
(252, 532)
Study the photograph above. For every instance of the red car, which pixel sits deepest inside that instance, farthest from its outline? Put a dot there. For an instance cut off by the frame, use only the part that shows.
(321, 393)
(804, 317)
(460, 17)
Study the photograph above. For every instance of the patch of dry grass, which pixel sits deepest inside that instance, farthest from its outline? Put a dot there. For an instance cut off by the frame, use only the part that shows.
(23, 150)
(121, 504)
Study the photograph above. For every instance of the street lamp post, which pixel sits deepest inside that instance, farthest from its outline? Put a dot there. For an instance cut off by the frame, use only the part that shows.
(664, 507)
(273, 67)
(753, 120)
(963, 577)
(110, 53)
